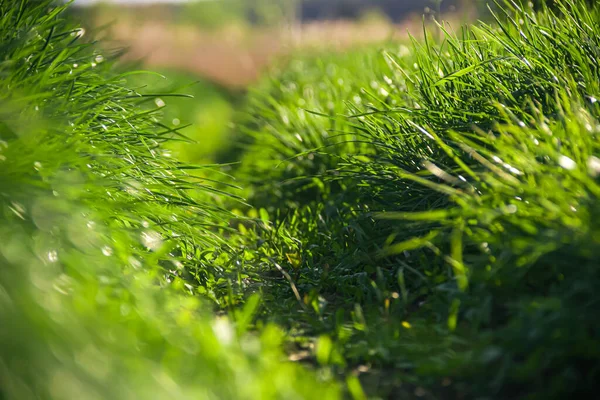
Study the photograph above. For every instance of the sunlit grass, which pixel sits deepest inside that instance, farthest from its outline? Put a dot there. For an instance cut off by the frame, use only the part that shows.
(440, 199)
(105, 239)
(419, 221)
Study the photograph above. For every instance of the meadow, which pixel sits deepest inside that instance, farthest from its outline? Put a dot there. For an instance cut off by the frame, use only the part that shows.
(412, 219)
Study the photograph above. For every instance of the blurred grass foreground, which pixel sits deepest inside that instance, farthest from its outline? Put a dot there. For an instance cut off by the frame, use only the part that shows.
(415, 217)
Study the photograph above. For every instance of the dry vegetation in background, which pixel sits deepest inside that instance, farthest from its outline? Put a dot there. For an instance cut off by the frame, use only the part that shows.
(236, 56)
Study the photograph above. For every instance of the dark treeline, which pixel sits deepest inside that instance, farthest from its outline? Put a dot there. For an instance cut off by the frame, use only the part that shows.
(395, 9)
(399, 9)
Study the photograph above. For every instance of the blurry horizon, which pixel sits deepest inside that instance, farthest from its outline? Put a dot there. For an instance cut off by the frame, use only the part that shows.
(133, 2)
(303, 9)
(229, 45)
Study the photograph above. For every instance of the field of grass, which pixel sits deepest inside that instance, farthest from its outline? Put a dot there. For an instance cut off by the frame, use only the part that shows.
(412, 220)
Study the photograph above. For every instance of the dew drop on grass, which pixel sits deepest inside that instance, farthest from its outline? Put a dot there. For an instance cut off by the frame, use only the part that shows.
(567, 163)
(52, 256)
(593, 165)
(223, 330)
(485, 247)
(135, 263)
(99, 58)
(512, 169)
(91, 224)
(37, 165)
(152, 240)
(159, 102)
(176, 121)
(107, 251)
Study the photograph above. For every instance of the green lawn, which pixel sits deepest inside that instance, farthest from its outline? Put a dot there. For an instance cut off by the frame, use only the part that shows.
(415, 220)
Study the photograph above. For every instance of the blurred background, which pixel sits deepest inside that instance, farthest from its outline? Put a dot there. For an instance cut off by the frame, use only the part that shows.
(215, 50)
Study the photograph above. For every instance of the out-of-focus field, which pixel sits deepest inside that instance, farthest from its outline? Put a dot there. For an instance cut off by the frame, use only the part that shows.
(235, 56)
(215, 59)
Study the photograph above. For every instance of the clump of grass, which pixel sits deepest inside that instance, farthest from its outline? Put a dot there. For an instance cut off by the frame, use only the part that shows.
(288, 169)
(106, 240)
(463, 223)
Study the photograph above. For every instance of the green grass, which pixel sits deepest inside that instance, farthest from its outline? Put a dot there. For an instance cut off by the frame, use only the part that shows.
(203, 121)
(441, 225)
(418, 220)
(103, 246)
